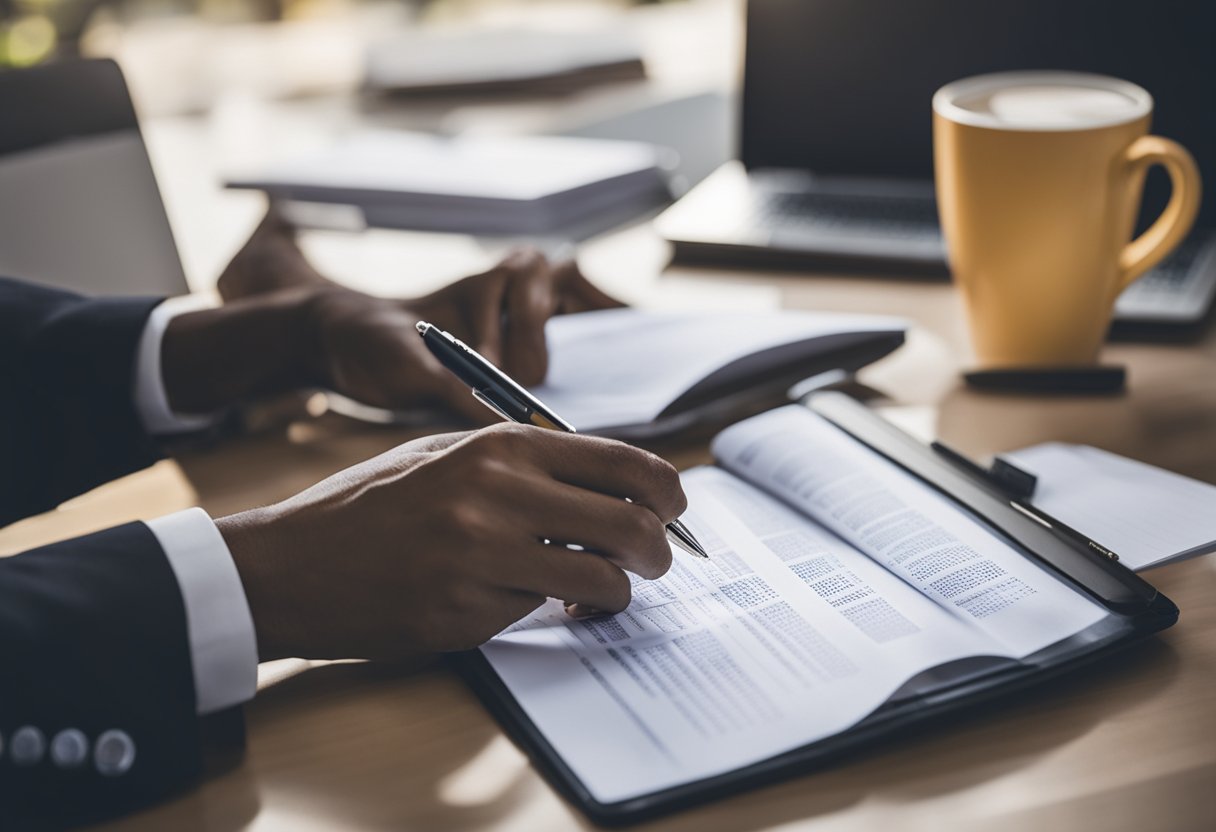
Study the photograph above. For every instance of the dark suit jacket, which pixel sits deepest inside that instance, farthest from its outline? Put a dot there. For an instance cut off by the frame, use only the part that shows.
(92, 630)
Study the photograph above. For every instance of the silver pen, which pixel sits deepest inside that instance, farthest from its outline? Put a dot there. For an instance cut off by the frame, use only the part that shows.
(499, 392)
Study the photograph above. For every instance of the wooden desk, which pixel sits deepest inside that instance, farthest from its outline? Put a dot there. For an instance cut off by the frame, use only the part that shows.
(1130, 744)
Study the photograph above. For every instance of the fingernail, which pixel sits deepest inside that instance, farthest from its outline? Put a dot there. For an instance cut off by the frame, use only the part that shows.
(583, 611)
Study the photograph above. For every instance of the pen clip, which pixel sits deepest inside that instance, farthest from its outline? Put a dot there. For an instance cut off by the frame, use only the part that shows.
(493, 405)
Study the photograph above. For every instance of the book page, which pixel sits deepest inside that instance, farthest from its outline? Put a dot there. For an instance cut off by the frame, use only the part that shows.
(785, 636)
(906, 526)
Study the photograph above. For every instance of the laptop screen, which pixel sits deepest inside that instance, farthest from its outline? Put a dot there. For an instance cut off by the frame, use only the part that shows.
(79, 204)
(844, 87)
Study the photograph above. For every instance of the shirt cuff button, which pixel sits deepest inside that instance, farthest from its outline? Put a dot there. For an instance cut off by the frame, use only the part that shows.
(69, 748)
(27, 746)
(114, 753)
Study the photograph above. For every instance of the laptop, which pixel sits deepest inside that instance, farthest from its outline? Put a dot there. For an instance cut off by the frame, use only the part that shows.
(79, 204)
(836, 157)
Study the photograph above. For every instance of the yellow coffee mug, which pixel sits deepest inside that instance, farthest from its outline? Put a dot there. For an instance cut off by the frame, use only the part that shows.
(1039, 180)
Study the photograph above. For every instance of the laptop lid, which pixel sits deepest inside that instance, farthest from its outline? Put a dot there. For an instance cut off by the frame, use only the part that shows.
(79, 205)
(843, 87)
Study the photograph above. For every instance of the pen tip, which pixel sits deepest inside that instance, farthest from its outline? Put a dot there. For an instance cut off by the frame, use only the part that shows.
(422, 327)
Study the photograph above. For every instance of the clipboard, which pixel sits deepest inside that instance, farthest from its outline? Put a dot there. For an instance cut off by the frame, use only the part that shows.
(1138, 609)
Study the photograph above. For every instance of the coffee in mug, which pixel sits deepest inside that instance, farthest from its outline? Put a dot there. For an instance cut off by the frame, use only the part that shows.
(1039, 179)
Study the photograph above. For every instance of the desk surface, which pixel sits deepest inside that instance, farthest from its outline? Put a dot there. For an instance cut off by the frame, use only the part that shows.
(1128, 745)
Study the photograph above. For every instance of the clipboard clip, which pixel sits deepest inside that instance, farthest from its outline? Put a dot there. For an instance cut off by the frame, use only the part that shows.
(1012, 481)
(1018, 486)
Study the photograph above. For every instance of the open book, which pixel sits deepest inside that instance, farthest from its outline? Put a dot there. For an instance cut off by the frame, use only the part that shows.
(638, 373)
(838, 583)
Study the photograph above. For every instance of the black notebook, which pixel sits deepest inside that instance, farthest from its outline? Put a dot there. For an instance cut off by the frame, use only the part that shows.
(857, 583)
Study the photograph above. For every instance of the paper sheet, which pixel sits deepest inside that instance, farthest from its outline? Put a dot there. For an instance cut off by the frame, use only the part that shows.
(625, 366)
(1145, 514)
(908, 527)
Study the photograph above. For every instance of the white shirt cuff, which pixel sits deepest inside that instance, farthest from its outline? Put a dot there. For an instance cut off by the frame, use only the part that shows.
(151, 402)
(223, 644)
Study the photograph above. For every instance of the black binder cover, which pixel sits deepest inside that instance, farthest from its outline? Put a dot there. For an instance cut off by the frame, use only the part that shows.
(1138, 609)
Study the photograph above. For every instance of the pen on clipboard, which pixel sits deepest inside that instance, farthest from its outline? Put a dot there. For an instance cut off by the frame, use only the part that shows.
(499, 392)
(1017, 486)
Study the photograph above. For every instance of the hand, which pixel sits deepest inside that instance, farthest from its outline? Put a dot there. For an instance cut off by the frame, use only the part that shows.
(438, 545)
(502, 313)
(368, 349)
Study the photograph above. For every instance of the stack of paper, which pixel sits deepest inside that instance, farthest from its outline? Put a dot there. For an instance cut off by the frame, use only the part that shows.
(472, 184)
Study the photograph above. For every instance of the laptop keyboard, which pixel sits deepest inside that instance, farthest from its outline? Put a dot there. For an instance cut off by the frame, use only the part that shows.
(1170, 288)
(1173, 273)
(881, 215)
(1179, 286)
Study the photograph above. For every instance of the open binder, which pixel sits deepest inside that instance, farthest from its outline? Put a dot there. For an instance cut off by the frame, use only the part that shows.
(1135, 611)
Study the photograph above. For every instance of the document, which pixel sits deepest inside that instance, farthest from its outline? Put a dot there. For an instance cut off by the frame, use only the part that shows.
(832, 582)
(1147, 515)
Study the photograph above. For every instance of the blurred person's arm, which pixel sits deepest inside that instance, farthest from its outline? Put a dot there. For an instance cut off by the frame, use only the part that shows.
(369, 346)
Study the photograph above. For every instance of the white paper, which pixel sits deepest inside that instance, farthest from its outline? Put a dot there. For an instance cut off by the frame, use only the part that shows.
(726, 662)
(625, 366)
(789, 633)
(908, 527)
(1145, 514)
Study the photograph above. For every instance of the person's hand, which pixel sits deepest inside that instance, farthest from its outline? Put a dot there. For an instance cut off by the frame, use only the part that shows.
(372, 353)
(439, 544)
(367, 348)
(502, 313)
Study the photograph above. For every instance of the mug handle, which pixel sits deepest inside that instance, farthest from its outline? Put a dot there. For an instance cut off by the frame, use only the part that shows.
(1151, 247)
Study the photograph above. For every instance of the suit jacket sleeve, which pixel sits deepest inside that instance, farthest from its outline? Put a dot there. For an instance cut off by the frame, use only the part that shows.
(97, 697)
(67, 414)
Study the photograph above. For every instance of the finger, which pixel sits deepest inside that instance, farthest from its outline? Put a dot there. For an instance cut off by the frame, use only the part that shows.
(577, 293)
(628, 535)
(531, 300)
(584, 611)
(575, 577)
(606, 466)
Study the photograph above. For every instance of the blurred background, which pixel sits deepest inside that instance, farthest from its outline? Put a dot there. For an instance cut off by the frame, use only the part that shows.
(435, 100)
(223, 86)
